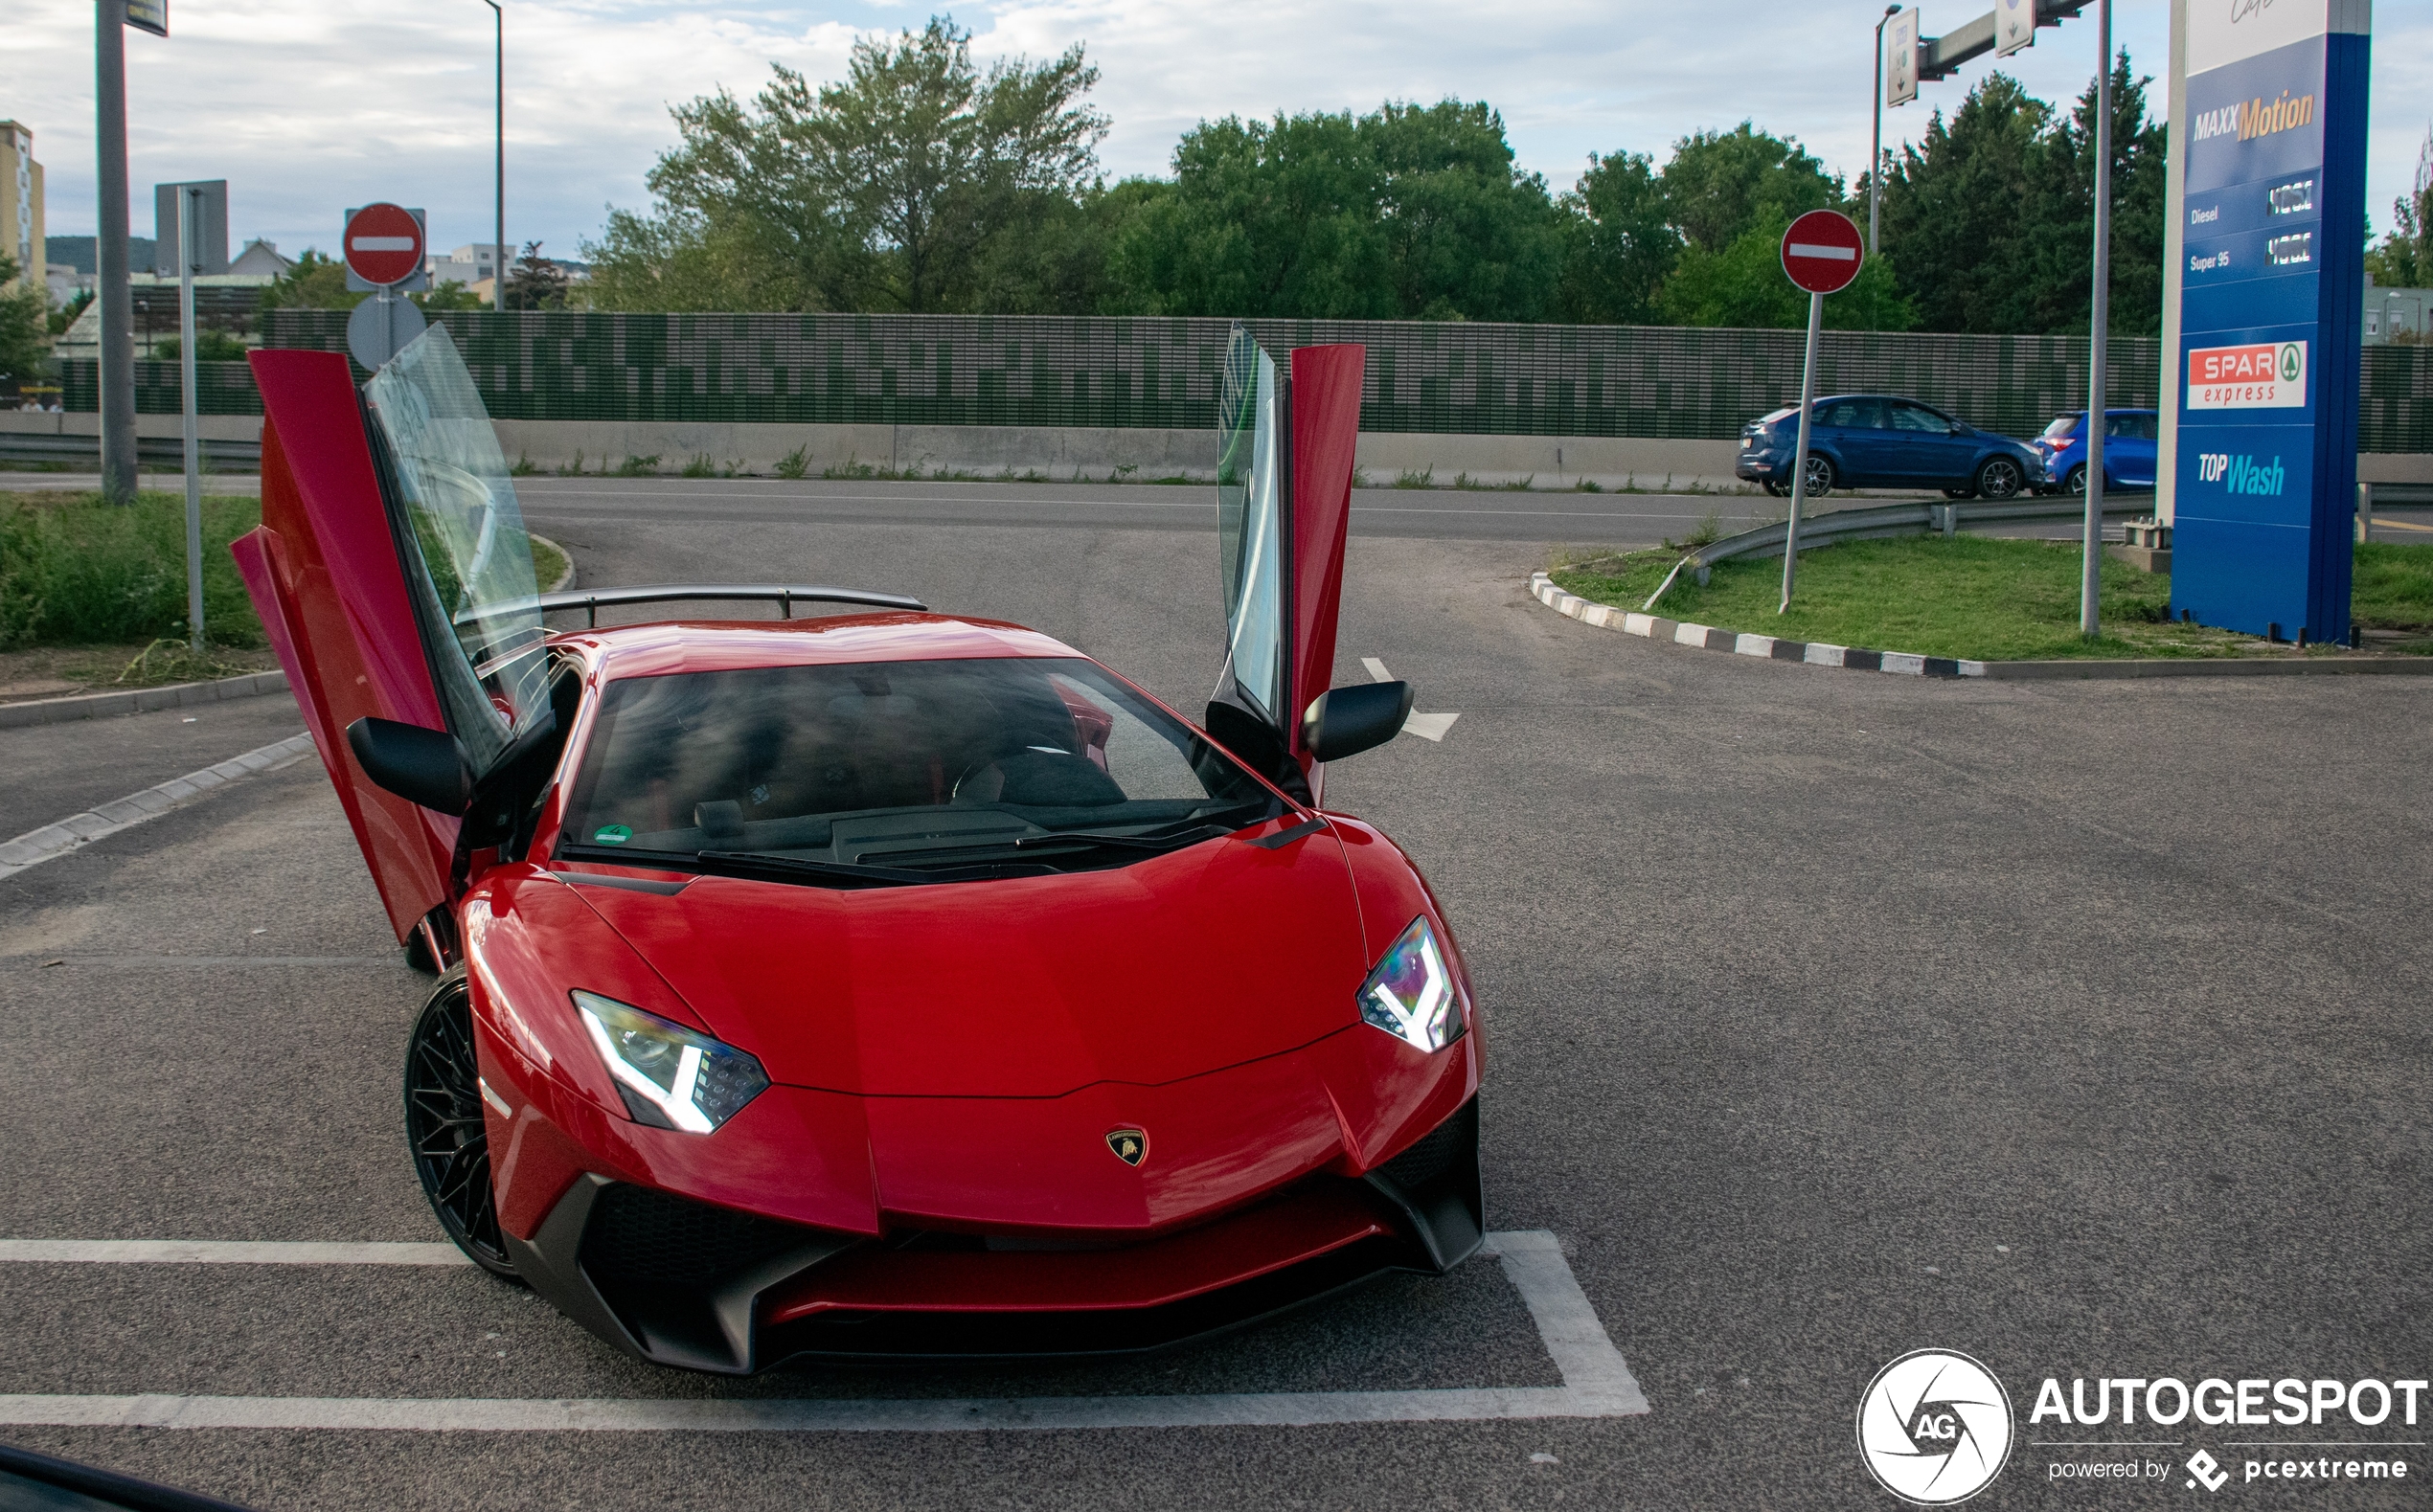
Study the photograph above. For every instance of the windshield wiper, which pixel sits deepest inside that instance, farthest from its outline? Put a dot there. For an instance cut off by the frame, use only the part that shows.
(1166, 842)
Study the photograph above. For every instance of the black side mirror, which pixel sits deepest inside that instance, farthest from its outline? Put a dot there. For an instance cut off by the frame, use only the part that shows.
(1346, 721)
(421, 766)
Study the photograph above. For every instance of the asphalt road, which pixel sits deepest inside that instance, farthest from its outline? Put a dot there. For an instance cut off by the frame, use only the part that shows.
(1428, 513)
(1832, 1016)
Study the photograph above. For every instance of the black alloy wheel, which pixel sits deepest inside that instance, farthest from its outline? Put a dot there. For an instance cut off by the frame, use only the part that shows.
(1820, 476)
(2000, 477)
(443, 1124)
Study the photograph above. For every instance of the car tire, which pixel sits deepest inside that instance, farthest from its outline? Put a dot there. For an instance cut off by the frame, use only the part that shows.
(2000, 477)
(1820, 476)
(446, 1128)
(1775, 488)
(1960, 493)
(2076, 481)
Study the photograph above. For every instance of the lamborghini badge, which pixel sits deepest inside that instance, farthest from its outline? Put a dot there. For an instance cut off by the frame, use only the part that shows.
(1130, 1145)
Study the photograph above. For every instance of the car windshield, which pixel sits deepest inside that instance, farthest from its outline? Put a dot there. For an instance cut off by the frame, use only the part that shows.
(890, 771)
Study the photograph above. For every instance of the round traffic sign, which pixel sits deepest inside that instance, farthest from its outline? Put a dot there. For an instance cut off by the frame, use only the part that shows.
(383, 243)
(1821, 251)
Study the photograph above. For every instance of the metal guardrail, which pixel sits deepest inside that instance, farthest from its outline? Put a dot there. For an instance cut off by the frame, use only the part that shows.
(1883, 521)
(153, 453)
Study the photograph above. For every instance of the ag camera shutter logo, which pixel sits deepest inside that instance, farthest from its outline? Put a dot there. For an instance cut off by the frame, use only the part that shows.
(1934, 1427)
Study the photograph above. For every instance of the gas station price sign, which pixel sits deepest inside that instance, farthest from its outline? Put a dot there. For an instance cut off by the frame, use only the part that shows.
(2276, 100)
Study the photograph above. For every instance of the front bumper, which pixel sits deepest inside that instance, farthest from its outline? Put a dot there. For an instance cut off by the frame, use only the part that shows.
(682, 1282)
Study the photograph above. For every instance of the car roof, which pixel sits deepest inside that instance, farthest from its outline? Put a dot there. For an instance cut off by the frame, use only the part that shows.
(718, 645)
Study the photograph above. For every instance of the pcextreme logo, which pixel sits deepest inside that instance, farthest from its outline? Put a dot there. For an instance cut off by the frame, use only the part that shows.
(1934, 1427)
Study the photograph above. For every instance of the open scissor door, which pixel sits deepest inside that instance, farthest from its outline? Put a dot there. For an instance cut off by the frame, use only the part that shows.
(1287, 438)
(394, 579)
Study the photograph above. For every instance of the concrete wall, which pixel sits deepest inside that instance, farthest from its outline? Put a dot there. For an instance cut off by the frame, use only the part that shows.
(1062, 452)
(212, 427)
(1549, 462)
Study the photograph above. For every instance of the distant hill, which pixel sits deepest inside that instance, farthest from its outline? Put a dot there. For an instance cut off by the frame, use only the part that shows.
(80, 254)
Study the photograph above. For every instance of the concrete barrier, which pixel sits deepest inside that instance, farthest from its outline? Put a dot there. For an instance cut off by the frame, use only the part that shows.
(1098, 454)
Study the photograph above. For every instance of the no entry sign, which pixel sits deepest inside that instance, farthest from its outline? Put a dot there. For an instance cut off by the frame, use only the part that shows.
(383, 244)
(1821, 251)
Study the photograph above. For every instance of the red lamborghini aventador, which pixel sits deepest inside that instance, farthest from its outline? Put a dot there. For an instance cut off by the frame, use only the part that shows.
(880, 985)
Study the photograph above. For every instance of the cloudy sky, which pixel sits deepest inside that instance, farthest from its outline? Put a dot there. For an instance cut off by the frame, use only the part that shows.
(307, 106)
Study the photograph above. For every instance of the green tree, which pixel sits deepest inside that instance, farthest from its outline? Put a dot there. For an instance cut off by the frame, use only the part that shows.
(534, 282)
(2404, 260)
(25, 321)
(1990, 220)
(881, 191)
(314, 283)
(1620, 242)
(2060, 243)
(1467, 235)
(1744, 284)
(1957, 206)
(210, 345)
(1410, 212)
(65, 315)
(1718, 184)
(1264, 219)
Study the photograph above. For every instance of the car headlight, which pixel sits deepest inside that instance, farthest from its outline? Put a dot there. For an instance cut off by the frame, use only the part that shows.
(1411, 993)
(671, 1077)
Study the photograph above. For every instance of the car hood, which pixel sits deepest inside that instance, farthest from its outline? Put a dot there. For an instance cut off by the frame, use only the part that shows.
(1170, 967)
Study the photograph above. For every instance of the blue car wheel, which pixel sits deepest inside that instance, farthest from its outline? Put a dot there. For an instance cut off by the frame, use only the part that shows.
(2000, 477)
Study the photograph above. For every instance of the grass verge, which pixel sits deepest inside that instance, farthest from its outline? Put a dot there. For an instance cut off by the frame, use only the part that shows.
(1977, 598)
(94, 595)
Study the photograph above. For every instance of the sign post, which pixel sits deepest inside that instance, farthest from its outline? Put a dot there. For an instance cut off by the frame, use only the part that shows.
(2262, 459)
(190, 253)
(383, 247)
(2098, 391)
(1820, 254)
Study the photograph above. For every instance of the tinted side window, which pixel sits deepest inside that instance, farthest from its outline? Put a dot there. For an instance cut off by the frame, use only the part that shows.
(1910, 417)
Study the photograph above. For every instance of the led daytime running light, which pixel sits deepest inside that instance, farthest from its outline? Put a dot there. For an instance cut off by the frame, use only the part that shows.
(709, 1083)
(1411, 994)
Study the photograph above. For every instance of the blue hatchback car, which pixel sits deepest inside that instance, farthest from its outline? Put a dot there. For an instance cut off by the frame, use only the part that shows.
(1883, 440)
(2129, 451)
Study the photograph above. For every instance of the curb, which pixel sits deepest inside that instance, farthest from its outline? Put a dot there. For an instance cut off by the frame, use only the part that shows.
(52, 841)
(1815, 653)
(1818, 653)
(566, 579)
(139, 700)
(182, 695)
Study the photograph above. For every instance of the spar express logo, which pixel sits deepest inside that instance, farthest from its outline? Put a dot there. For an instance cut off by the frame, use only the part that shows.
(1934, 1427)
(2253, 375)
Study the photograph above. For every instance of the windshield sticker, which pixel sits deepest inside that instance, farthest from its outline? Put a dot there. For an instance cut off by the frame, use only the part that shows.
(612, 834)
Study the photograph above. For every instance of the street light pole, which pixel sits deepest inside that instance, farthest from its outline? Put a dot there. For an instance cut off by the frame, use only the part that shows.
(2098, 415)
(117, 298)
(1875, 159)
(498, 247)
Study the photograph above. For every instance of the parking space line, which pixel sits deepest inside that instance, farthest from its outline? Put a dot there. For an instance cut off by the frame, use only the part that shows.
(1597, 1383)
(78, 830)
(221, 1251)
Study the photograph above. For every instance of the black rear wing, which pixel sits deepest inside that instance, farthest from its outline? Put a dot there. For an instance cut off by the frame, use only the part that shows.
(591, 600)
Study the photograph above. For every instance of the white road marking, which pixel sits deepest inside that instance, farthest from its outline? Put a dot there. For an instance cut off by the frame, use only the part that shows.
(1428, 727)
(53, 841)
(221, 1251)
(1597, 1383)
